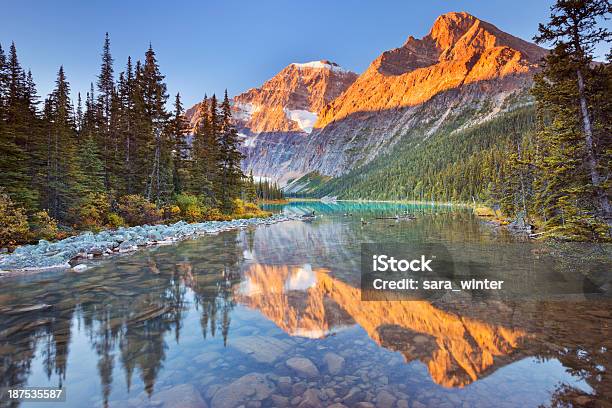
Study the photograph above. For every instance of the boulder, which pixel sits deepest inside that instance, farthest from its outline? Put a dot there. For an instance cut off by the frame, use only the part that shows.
(279, 401)
(402, 404)
(251, 387)
(384, 399)
(303, 367)
(310, 399)
(79, 268)
(354, 396)
(180, 396)
(284, 385)
(262, 349)
(335, 363)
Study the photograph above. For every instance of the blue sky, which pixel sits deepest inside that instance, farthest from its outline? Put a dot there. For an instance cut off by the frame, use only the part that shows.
(207, 46)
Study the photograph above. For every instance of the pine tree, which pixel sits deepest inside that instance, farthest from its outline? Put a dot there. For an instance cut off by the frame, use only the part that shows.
(90, 167)
(204, 154)
(180, 149)
(159, 183)
(141, 140)
(127, 93)
(78, 115)
(106, 87)
(575, 167)
(3, 85)
(15, 174)
(63, 172)
(35, 139)
(231, 174)
(250, 189)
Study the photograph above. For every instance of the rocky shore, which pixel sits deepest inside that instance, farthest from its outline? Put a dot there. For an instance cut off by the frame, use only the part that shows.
(67, 252)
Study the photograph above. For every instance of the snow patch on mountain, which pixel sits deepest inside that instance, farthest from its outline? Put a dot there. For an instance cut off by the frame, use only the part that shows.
(320, 65)
(305, 119)
(244, 111)
(248, 141)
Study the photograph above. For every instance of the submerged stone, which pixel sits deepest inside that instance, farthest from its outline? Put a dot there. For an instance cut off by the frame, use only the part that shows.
(251, 387)
(335, 363)
(262, 349)
(303, 367)
(181, 396)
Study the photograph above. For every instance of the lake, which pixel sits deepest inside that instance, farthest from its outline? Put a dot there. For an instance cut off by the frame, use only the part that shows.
(273, 316)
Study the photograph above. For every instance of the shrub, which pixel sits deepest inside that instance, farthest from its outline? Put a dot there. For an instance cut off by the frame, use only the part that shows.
(237, 207)
(192, 207)
(115, 220)
(248, 210)
(94, 211)
(214, 214)
(14, 226)
(172, 213)
(42, 226)
(136, 210)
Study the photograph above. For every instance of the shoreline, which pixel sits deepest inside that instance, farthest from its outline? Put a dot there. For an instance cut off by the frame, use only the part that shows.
(66, 253)
(431, 203)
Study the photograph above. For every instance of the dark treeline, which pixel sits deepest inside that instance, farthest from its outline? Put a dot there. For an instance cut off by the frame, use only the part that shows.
(269, 191)
(453, 166)
(549, 165)
(120, 143)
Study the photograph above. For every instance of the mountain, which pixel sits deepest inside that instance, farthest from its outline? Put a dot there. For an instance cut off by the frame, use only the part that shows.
(291, 100)
(462, 73)
(282, 112)
(314, 124)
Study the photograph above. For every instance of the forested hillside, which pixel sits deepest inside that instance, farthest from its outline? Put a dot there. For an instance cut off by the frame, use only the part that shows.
(462, 165)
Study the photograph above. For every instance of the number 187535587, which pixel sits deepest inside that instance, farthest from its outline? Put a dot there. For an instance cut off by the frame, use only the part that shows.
(34, 394)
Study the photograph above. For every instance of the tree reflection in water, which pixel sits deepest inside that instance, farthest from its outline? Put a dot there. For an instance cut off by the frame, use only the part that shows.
(131, 304)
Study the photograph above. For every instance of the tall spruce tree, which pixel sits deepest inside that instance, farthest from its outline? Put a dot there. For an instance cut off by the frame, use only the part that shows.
(231, 175)
(180, 150)
(142, 143)
(574, 156)
(63, 185)
(159, 183)
(127, 93)
(104, 137)
(203, 156)
(213, 153)
(15, 171)
(250, 191)
(90, 167)
(3, 84)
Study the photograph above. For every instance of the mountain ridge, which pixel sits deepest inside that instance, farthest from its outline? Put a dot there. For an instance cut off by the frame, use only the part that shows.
(317, 117)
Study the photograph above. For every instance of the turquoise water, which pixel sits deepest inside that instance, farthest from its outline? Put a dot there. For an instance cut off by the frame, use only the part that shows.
(148, 328)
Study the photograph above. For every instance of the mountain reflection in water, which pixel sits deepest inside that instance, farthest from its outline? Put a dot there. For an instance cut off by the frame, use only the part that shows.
(456, 350)
(207, 312)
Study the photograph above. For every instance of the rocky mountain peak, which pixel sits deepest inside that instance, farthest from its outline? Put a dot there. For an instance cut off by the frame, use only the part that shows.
(290, 100)
(450, 27)
(459, 50)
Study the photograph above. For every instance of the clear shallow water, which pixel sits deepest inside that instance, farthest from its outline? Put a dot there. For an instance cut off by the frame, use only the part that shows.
(133, 330)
